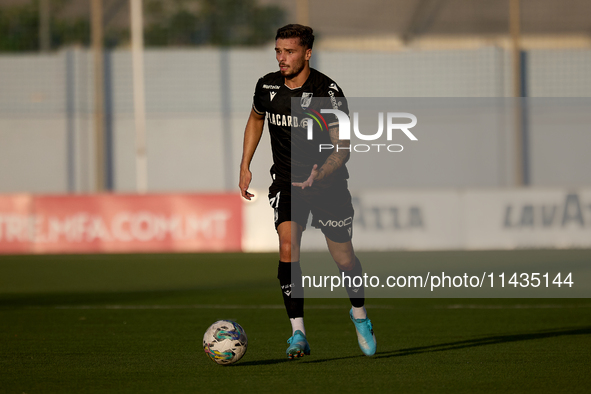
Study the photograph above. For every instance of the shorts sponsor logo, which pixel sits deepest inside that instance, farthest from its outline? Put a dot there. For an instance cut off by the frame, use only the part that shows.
(336, 223)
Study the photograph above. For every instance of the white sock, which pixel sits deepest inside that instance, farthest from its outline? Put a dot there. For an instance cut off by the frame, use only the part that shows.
(297, 324)
(359, 313)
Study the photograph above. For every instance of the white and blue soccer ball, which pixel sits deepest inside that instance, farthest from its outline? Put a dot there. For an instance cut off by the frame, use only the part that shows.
(225, 342)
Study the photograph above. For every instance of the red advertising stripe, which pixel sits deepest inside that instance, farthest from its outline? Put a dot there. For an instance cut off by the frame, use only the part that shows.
(128, 223)
(15, 224)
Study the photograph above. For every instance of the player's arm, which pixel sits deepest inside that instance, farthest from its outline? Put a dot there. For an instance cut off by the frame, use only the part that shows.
(337, 159)
(252, 136)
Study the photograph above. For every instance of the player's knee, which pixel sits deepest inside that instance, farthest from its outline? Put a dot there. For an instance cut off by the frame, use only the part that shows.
(287, 248)
(345, 262)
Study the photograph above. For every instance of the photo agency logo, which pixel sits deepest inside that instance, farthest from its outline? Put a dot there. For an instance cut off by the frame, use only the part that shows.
(375, 141)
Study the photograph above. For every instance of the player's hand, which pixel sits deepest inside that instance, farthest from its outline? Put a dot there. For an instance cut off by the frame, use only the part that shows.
(245, 178)
(310, 181)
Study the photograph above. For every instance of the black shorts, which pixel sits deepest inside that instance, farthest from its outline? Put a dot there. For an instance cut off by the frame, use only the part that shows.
(330, 205)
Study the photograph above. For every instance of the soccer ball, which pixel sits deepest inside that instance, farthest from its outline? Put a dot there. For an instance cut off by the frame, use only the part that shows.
(225, 342)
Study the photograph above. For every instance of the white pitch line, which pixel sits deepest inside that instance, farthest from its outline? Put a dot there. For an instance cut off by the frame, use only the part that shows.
(516, 306)
(168, 306)
(277, 306)
(205, 306)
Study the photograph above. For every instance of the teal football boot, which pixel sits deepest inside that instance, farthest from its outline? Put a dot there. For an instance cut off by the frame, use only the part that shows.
(298, 346)
(365, 336)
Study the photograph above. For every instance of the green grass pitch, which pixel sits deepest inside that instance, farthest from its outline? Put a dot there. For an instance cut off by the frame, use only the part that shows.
(134, 324)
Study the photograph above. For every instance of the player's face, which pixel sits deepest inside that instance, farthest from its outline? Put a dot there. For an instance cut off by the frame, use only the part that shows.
(291, 56)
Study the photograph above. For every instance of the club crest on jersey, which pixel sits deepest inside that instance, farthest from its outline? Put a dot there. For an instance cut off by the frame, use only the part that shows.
(306, 100)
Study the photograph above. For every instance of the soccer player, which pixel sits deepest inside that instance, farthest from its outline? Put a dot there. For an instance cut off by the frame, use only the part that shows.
(315, 181)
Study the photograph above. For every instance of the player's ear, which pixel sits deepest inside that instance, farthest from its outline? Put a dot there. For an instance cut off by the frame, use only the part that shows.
(308, 53)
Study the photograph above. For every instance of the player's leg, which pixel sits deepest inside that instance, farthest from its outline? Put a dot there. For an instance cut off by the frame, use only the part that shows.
(290, 279)
(290, 237)
(290, 226)
(289, 273)
(352, 273)
(333, 214)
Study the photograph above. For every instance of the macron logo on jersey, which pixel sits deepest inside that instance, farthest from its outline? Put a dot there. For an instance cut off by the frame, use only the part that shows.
(333, 86)
(272, 94)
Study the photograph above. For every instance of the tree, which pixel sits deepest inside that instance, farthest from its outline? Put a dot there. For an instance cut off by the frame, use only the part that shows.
(210, 22)
(168, 23)
(19, 28)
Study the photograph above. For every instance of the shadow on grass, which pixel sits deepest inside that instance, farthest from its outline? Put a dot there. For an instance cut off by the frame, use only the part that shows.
(197, 294)
(261, 362)
(491, 340)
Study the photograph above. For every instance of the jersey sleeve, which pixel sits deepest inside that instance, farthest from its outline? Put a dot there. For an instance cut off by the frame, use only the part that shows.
(257, 103)
(337, 101)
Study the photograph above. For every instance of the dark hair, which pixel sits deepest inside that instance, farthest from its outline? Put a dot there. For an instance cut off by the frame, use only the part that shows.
(305, 34)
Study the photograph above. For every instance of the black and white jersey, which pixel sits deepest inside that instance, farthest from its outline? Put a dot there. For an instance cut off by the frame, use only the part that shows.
(293, 154)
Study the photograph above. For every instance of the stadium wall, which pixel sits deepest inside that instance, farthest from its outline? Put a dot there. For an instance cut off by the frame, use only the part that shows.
(385, 220)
